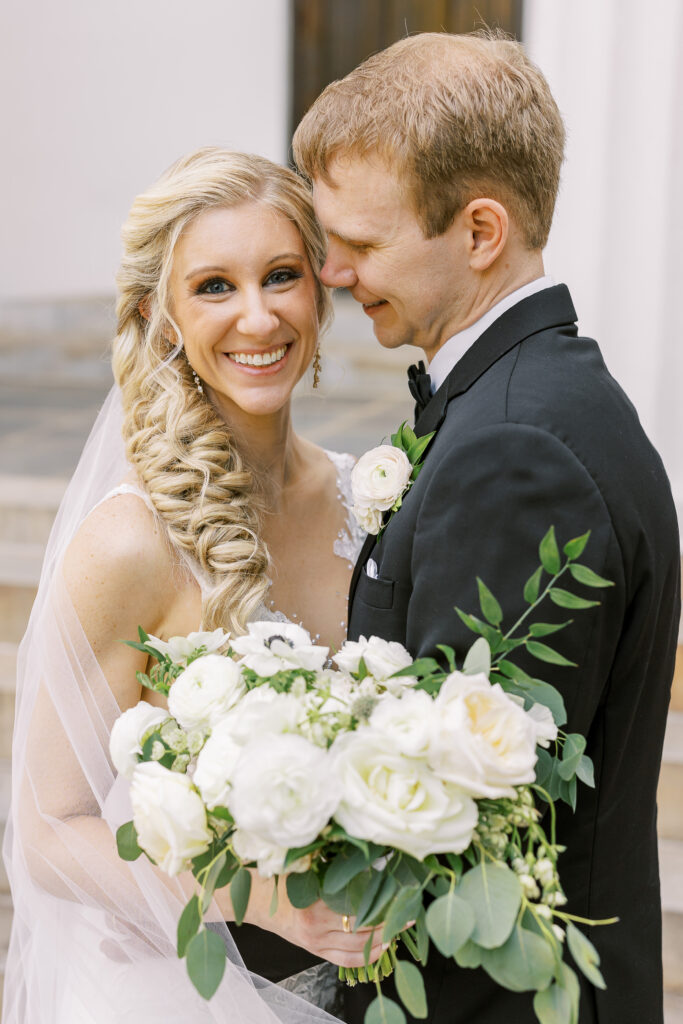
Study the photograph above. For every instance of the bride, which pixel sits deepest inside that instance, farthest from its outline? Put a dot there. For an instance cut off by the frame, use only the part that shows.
(194, 505)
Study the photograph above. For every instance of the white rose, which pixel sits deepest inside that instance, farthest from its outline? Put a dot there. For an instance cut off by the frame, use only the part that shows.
(382, 657)
(284, 790)
(215, 764)
(484, 741)
(408, 720)
(546, 730)
(271, 647)
(179, 648)
(125, 742)
(205, 691)
(263, 710)
(380, 477)
(396, 800)
(270, 859)
(169, 817)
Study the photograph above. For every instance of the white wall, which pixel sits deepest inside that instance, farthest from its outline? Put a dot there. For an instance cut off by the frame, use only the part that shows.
(616, 70)
(97, 97)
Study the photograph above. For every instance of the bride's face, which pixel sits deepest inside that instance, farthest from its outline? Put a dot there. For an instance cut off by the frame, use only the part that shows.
(244, 297)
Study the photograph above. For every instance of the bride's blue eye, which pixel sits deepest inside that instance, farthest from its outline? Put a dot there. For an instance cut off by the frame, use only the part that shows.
(215, 286)
(283, 276)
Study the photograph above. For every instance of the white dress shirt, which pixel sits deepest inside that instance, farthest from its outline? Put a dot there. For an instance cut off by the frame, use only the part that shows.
(452, 351)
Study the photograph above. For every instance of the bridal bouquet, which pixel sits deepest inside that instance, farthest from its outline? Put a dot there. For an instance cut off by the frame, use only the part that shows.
(406, 795)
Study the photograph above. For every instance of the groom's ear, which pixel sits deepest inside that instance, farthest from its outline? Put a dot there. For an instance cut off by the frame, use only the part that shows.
(487, 224)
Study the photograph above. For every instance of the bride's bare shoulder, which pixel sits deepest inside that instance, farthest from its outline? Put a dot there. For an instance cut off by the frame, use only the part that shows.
(119, 562)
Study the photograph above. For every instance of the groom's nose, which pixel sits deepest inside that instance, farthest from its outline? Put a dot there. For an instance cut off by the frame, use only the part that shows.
(337, 272)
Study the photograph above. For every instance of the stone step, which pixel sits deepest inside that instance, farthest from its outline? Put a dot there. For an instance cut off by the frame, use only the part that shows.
(670, 791)
(673, 1008)
(671, 871)
(28, 505)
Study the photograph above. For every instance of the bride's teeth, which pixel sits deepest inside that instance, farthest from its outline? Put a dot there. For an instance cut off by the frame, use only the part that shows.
(258, 358)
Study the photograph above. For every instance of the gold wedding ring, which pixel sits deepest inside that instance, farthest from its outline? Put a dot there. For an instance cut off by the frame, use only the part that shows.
(346, 923)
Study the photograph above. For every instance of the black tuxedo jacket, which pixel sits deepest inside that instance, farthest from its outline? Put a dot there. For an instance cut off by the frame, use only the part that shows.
(532, 431)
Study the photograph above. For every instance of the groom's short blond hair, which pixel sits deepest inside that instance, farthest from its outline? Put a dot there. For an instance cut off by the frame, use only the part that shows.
(457, 116)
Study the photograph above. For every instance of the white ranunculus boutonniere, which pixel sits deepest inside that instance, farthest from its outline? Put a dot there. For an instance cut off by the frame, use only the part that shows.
(382, 477)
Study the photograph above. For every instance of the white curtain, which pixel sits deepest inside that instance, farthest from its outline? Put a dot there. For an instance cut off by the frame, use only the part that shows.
(616, 70)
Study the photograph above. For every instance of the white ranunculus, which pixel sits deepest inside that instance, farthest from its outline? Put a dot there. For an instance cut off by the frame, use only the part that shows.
(125, 742)
(408, 720)
(369, 519)
(270, 859)
(484, 741)
(380, 477)
(169, 817)
(205, 691)
(215, 764)
(283, 790)
(263, 710)
(271, 647)
(397, 800)
(546, 730)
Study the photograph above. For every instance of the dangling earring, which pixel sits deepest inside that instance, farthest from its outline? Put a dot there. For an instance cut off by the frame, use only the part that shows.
(317, 367)
(197, 383)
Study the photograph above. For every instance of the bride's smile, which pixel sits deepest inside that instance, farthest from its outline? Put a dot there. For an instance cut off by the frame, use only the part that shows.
(244, 298)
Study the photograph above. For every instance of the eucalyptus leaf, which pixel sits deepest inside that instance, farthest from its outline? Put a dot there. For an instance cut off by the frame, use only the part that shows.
(411, 988)
(449, 654)
(574, 548)
(538, 692)
(469, 955)
(240, 890)
(549, 553)
(532, 586)
(372, 887)
(296, 852)
(343, 868)
(188, 924)
(544, 766)
(524, 963)
(545, 653)
(490, 608)
(386, 893)
(565, 599)
(384, 1011)
(478, 658)
(422, 937)
(206, 962)
(567, 979)
(585, 955)
(348, 899)
(302, 889)
(553, 1005)
(574, 746)
(450, 922)
(582, 574)
(585, 771)
(494, 893)
(567, 789)
(404, 908)
(127, 842)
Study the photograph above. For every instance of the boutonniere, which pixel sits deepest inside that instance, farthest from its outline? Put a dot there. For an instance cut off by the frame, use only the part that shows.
(383, 476)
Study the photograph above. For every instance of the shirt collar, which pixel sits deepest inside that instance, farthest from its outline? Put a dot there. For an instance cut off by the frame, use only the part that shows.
(452, 351)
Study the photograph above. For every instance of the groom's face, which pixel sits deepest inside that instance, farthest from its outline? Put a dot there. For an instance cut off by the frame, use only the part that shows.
(410, 286)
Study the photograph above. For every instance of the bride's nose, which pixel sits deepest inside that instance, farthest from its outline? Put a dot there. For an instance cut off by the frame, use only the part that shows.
(255, 319)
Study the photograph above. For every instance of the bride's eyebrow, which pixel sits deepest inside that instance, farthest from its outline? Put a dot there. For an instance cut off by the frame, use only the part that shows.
(286, 256)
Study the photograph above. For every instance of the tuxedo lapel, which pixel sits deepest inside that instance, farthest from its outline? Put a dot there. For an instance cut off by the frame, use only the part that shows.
(368, 545)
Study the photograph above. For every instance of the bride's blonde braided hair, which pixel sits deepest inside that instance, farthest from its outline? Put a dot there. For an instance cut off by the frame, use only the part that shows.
(181, 449)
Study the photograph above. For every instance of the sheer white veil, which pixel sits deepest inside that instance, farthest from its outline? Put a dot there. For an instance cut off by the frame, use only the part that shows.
(93, 938)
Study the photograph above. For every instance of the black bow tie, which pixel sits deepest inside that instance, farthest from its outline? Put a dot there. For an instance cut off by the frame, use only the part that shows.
(420, 384)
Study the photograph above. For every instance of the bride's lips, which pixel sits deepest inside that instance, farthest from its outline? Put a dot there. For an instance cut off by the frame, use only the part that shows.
(280, 354)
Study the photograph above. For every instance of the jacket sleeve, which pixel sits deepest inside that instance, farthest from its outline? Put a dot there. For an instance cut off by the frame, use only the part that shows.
(487, 505)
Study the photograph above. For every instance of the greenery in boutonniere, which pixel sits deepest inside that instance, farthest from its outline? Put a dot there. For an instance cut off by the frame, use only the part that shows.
(383, 476)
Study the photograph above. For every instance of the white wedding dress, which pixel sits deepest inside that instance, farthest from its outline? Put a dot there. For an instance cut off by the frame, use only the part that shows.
(93, 938)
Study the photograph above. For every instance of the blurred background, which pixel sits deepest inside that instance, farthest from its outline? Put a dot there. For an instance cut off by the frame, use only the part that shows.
(97, 99)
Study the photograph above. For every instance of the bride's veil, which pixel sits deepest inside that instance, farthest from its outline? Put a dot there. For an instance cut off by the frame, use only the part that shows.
(94, 938)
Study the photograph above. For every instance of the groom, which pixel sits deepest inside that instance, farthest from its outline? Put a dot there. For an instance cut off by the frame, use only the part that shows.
(435, 167)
